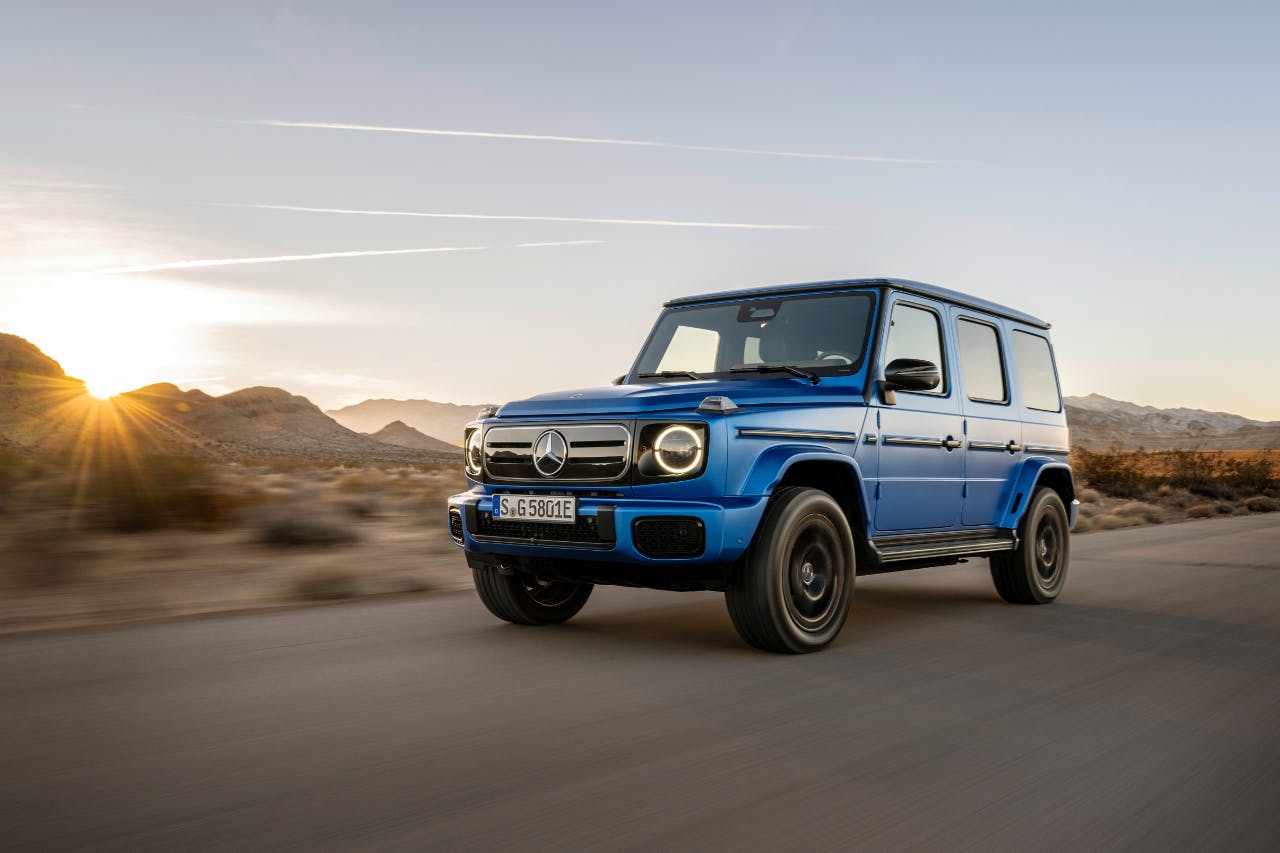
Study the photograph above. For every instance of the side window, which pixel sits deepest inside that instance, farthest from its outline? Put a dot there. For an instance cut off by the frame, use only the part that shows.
(916, 333)
(1036, 377)
(981, 362)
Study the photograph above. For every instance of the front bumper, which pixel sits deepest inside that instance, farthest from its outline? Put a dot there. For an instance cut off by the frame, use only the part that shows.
(728, 525)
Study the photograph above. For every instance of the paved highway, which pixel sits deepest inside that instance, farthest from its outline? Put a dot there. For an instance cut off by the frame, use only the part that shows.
(1142, 711)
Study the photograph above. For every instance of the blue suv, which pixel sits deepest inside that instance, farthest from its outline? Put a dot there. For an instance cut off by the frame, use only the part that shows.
(773, 444)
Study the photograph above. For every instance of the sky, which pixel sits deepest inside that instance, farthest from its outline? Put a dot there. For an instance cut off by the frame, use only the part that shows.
(214, 194)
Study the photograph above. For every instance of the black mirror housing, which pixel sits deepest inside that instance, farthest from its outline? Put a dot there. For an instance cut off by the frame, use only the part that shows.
(911, 374)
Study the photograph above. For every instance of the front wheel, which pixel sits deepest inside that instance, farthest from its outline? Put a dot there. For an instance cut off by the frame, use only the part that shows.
(529, 600)
(792, 590)
(1036, 571)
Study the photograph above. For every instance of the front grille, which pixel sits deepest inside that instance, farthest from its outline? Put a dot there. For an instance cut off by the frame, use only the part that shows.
(669, 536)
(455, 524)
(595, 452)
(588, 531)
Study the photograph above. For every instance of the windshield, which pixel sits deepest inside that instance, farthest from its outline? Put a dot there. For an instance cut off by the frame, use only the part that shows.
(825, 334)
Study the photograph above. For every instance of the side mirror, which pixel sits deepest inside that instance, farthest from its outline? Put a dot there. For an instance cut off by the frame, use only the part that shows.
(909, 374)
(619, 380)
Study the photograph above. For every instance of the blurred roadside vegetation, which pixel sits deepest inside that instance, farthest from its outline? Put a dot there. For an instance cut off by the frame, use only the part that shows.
(1125, 488)
(60, 512)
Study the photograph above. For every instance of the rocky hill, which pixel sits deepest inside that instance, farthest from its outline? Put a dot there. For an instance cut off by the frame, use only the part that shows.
(1099, 422)
(402, 435)
(41, 407)
(443, 421)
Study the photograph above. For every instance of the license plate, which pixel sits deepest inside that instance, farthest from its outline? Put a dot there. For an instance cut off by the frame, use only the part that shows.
(556, 509)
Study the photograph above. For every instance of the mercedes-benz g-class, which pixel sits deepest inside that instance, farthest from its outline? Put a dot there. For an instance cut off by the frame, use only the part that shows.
(773, 444)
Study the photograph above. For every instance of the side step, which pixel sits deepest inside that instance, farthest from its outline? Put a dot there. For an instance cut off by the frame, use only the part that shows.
(927, 546)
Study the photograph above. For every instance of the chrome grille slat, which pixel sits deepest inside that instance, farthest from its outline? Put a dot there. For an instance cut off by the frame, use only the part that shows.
(592, 452)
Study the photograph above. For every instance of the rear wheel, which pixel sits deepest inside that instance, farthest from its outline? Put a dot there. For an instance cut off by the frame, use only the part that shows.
(791, 593)
(1036, 571)
(527, 599)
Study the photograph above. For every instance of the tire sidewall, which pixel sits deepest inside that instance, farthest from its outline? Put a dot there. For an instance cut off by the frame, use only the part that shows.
(1047, 502)
(780, 538)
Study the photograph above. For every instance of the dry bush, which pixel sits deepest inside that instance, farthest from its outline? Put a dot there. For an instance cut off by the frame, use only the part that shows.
(296, 527)
(1135, 474)
(1201, 511)
(363, 481)
(326, 585)
(1262, 503)
(40, 553)
(1089, 496)
(1149, 513)
(1115, 473)
(1111, 521)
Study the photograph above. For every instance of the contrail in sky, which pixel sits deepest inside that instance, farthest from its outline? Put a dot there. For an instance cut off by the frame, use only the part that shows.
(518, 218)
(279, 259)
(587, 140)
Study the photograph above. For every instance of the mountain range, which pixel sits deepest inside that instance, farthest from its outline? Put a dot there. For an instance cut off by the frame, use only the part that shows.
(438, 420)
(42, 407)
(1099, 422)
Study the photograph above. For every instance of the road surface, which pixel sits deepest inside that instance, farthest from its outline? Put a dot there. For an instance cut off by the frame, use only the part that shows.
(1142, 711)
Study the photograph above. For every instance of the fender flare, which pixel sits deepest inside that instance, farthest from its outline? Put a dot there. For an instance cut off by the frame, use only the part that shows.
(772, 465)
(1025, 484)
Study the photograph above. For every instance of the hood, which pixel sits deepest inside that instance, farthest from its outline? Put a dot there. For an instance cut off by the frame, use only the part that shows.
(645, 399)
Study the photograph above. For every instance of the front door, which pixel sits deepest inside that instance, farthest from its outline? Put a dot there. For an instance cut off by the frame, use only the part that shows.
(921, 483)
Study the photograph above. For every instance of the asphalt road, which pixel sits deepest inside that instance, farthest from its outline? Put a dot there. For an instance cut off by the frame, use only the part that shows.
(1142, 711)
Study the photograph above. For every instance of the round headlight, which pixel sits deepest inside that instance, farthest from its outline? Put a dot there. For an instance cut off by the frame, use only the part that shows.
(475, 452)
(678, 449)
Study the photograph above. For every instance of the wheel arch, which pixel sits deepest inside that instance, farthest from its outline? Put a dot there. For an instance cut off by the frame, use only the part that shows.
(1035, 474)
(803, 466)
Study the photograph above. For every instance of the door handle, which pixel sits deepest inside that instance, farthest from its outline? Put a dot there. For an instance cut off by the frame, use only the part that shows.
(951, 443)
(1013, 446)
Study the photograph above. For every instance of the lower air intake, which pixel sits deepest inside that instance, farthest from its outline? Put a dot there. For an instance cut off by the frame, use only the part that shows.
(669, 536)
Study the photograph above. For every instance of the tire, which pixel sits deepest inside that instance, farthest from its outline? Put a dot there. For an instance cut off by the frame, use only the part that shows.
(527, 600)
(1036, 571)
(791, 591)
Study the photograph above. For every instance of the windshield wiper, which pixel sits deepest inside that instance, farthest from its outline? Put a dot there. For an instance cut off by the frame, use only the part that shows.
(779, 368)
(669, 374)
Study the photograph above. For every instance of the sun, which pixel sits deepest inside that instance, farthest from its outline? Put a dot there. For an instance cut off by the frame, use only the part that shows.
(104, 386)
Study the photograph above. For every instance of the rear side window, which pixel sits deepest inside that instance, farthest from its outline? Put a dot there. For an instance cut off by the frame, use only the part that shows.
(981, 362)
(916, 333)
(1036, 377)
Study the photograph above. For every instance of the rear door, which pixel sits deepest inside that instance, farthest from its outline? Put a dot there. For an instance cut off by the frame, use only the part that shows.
(993, 426)
(921, 467)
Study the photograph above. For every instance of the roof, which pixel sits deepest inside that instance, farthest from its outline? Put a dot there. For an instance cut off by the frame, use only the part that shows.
(920, 288)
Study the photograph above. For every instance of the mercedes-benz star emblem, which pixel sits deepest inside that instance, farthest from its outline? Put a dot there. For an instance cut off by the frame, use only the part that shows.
(550, 452)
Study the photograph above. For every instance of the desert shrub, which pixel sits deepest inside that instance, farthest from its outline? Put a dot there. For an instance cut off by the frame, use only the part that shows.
(1149, 513)
(1112, 521)
(1224, 509)
(1201, 511)
(133, 494)
(326, 585)
(1089, 496)
(363, 481)
(1262, 503)
(40, 553)
(1112, 472)
(300, 529)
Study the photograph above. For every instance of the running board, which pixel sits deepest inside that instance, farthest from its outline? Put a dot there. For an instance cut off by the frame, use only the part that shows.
(927, 546)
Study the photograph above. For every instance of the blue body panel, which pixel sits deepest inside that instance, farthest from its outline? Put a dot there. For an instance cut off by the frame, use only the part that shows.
(987, 462)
